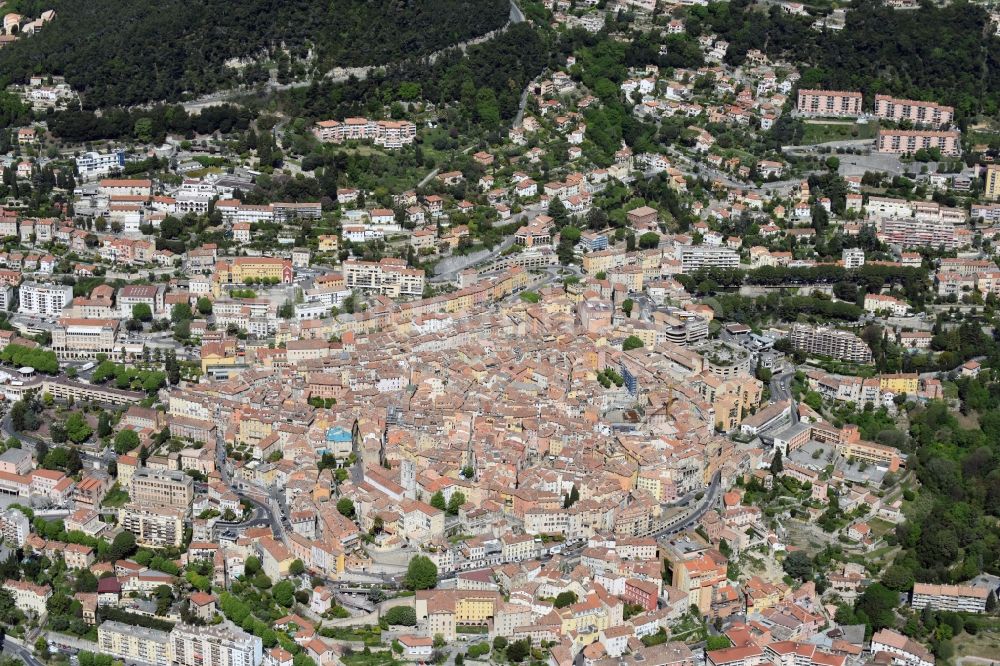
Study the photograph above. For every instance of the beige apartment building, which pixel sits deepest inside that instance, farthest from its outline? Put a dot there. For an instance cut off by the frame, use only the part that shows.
(161, 487)
(830, 342)
(132, 643)
(392, 134)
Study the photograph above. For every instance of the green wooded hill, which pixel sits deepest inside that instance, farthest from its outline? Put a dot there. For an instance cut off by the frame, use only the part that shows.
(123, 53)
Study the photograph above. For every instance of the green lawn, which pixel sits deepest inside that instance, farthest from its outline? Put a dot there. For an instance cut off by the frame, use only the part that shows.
(880, 527)
(822, 132)
(115, 498)
(374, 659)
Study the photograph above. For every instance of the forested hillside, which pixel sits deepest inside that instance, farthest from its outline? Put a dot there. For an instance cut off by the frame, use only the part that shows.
(121, 53)
(945, 53)
(487, 77)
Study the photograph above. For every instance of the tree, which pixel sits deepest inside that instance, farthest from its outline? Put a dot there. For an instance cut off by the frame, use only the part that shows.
(143, 130)
(122, 546)
(401, 615)
(142, 312)
(86, 581)
(878, 604)
(518, 650)
(251, 567)
(77, 428)
(455, 503)
(421, 574)
(346, 507)
(296, 568)
(627, 306)
(438, 501)
(991, 602)
(42, 647)
(172, 367)
(777, 467)
(649, 240)
(204, 306)
(632, 342)
(572, 497)
(103, 425)
(125, 441)
(564, 599)
(798, 565)
(284, 593)
(181, 312)
(557, 211)
(499, 643)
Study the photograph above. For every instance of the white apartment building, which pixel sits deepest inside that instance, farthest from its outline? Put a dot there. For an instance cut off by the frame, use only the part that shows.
(214, 646)
(695, 257)
(854, 257)
(14, 527)
(389, 277)
(904, 650)
(958, 598)
(6, 297)
(918, 232)
(46, 300)
(153, 526)
(96, 165)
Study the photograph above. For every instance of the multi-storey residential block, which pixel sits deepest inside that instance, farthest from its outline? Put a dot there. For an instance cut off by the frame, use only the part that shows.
(854, 257)
(695, 257)
(991, 183)
(930, 113)
(830, 103)
(14, 526)
(918, 232)
(95, 165)
(901, 649)
(390, 277)
(392, 134)
(161, 487)
(154, 526)
(132, 643)
(958, 598)
(45, 300)
(910, 141)
(214, 646)
(830, 342)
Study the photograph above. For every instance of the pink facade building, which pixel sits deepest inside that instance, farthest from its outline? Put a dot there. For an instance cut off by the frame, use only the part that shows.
(929, 113)
(830, 103)
(910, 141)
